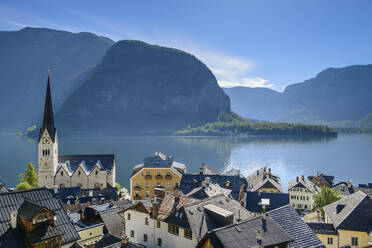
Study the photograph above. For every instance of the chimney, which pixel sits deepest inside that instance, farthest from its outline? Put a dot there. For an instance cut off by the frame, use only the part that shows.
(124, 238)
(111, 204)
(297, 179)
(349, 184)
(269, 170)
(90, 193)
(265, 169)
(13, 219)
(81, 214)
(238, 220)
(154, 209)
(259, 237)
(258, 172)
(176, 198)
(55, 189)
(303, 178)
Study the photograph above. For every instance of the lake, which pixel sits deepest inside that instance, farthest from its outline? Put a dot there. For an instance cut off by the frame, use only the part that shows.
(345, 157)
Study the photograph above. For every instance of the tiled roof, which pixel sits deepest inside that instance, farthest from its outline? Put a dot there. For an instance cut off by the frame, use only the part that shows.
(168, 205)
(88, 162)
(328, 179)
(209, 190)
(322, 228)
(112, 242)
(13, 200)
(233, 172)
(291, 222)
(262, 178)
(3, 188)
(277, 200)
(160, 161)
(302, 181)
(200, 222)
(191, 181)
(352, 212)
(28, 210)
(345, 189)
(207, 170)
(244, 234)
(113, 222)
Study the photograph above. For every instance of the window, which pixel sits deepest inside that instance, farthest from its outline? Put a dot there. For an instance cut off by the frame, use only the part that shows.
(169, 185)
(354, 241)
(147, 185)
(96, 172)
(61, 185)
(145, 237)
(79, 173)
(159, 242)
(147, 194)
(128, 216)
(168, 173)
(137, 185)
(147, 173)
(131, 233)
(146, 221)
(158, 173)
(158, 224)
(187, 234)
(177, 185)
(96, 185)
(61, 173)
(329, 240)
(173, 229)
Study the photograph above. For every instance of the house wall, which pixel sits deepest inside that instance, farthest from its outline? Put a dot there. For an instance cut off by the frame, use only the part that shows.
(345, 238)
(77, 179)
(270, 190)
(170, 240)
(90, 235)
(97, 176)
(324, 239)
(141, 179)
(137, 224)
(62, 177)
(207, 244)
(300, 197)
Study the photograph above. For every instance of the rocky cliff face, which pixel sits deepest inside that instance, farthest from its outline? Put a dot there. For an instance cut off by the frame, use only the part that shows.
(25, 57)
(141, 87)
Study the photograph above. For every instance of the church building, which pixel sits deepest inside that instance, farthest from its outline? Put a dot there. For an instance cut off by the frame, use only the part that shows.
(85, 171)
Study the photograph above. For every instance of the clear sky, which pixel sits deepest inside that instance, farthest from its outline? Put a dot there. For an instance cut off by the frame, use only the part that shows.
(267, 43)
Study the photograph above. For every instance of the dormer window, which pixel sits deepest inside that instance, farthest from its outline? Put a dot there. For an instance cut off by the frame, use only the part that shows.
(227, 183)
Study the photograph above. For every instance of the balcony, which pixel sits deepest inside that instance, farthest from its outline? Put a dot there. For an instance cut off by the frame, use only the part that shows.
(148, 177)
(159, 177)
(177, 187)
(168, 176)
(137, 187)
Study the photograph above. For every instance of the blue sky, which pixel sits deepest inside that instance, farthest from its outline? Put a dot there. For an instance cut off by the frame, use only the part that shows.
(267, 43)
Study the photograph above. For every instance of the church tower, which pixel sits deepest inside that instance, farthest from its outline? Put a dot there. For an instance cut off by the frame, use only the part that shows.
(48, 144)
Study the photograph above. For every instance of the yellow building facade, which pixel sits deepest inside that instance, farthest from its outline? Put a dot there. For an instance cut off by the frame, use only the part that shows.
(156, 176)
(345, 238)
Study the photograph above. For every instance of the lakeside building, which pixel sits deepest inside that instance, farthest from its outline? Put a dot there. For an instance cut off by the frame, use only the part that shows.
(301, 193)
(348, 222)
(282, 227)
(322, 180)
(34, 218)
(264, 181)
(179, 221)
(85, 171)
(156, 176)
(347, 188)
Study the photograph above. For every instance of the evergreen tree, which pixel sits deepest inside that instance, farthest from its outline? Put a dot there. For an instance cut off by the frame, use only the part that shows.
(30, 176)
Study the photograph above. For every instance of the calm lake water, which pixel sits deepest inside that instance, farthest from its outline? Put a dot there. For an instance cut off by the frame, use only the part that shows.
(345, 157)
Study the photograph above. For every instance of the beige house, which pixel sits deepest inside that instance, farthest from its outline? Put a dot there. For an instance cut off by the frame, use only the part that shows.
(263, 180)
(301, 193)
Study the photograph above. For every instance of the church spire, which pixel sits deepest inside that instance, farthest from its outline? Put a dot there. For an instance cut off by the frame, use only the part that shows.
(48, 119)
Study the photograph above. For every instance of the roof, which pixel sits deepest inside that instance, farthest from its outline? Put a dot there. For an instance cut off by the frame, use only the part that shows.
(28, 210)
(277, 200)
(323, 228)
(48, 118)
(200, 221)
(168, 205)
(262, 178)
(351, 213)
(233, 172)
(244, 234)
(160, 160)
(345, 188)
(207, 170)
(209, 190)
(13, 200)
(291, 222)
(304, 182)
(191, 181)
(43, 232)
(112, 242)
(87, 161)
(113, 222)
(326, 178)
(3, 188)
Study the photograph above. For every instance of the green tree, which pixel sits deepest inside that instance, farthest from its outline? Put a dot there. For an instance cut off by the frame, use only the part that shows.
(23, 186)
(325, 197)
(30, 176)
(118, 186)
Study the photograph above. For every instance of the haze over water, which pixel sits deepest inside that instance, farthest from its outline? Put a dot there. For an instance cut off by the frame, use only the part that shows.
(345, 157)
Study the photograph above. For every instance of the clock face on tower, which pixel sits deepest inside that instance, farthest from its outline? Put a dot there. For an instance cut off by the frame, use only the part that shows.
(46, 141)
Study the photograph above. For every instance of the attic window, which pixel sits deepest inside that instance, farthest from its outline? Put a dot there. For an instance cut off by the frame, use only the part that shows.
(227, 183)
(199, 209)
(190, 211)
(238, 229)
(194, 181)
(227, 199)
(96, 172)
(79, 172)
(220, 202)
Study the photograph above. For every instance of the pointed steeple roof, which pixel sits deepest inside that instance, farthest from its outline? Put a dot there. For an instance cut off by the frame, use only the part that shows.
(48, 119)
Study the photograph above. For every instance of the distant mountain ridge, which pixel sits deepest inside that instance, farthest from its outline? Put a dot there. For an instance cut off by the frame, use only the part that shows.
(336, 96)
(139, 86)
(26, 56)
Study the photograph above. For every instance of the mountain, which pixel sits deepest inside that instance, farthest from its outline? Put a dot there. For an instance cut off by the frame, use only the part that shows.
(139, 86)
(336, 96)
(26, 56)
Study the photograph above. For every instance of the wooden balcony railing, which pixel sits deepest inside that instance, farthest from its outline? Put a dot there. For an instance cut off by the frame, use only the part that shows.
(137, 187)
(159, 177)
(168, 176)
(148, 177)
(136, 197)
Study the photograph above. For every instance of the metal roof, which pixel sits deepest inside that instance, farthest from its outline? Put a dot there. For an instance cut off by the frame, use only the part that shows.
(252, 200)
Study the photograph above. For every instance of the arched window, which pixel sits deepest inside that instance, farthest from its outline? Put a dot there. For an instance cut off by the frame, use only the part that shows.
(96, 172)
(61, 173)
(79, 185)
(96, 185)
(61, 185)
(79, 173)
